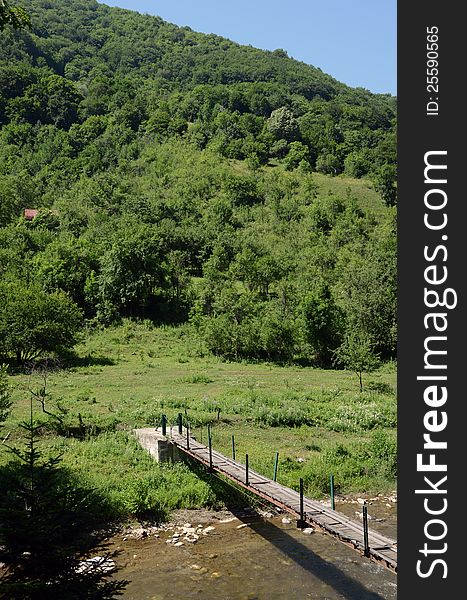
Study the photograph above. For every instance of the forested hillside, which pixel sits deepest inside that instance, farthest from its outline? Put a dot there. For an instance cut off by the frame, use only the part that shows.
(182, 177)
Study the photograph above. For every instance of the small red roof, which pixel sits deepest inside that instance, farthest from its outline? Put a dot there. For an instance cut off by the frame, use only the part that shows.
(30, 213)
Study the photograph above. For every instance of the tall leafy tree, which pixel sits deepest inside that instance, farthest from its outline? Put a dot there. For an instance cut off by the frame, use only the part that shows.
(283, 125)
(321, 323)
(131, 270)
(33, 322)
(385, 183)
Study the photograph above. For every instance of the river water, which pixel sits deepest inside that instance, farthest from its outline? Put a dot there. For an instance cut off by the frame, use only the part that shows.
(249, 557)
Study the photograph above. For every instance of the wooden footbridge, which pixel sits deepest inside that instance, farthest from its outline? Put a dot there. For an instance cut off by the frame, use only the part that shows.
(371, 544)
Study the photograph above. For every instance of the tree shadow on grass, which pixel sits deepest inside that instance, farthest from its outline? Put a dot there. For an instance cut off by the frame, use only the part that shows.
(53, 364)
(72, 360)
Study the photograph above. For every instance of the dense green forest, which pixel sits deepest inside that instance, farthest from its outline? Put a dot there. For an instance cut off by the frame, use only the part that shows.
(179, 177)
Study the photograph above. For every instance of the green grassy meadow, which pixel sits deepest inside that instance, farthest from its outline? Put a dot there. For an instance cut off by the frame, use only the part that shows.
(127, 376)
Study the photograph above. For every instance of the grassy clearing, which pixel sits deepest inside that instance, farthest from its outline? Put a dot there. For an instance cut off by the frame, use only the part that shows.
(127, 376)
(361, 189)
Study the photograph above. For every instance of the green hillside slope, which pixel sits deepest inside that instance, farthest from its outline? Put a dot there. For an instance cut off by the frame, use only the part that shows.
(180, 176)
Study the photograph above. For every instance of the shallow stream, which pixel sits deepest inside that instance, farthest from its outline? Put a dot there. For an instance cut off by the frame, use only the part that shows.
(249, 557)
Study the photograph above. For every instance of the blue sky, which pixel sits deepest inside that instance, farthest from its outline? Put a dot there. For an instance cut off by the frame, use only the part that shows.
(352, 40)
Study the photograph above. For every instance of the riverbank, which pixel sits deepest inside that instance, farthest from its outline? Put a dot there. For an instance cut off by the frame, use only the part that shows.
(382, 517)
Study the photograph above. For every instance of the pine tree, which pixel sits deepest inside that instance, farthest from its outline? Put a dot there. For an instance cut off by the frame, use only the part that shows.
(46, 530)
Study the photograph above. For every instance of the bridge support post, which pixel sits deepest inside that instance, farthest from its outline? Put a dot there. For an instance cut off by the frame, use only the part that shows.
(276, 462)
(331, 481)
(233, 447)
(164, 425)
(180, 423)
(210, 447)
(301, 524)
(187, 436)
(366, 544)
(247, 482)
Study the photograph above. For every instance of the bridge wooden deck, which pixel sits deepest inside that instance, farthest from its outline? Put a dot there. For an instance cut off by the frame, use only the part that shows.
(382, 549)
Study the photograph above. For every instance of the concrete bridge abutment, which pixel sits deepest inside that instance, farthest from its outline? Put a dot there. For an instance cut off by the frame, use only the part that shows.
(159, 446)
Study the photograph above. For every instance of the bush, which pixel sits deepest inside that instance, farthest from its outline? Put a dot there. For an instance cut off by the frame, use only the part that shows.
(298, 153)
(382, 453)
(242, 190)
(328, 164)
(356, 164)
